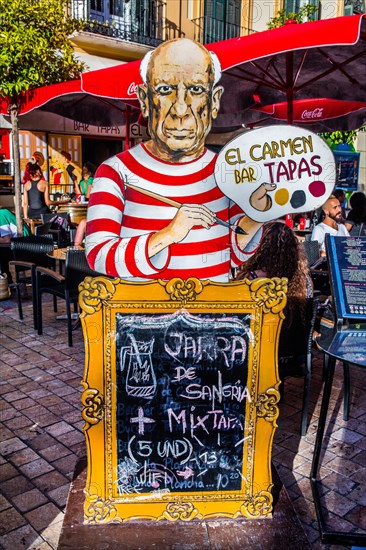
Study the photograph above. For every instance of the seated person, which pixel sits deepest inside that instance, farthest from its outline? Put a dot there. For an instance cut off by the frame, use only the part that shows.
(80, 233)
(331, 224)
(8, 230)
(84, 186)
(357, 214)
(36, 199)
(281, 254)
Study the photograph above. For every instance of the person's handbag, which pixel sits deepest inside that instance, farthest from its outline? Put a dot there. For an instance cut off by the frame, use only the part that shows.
(4, 287)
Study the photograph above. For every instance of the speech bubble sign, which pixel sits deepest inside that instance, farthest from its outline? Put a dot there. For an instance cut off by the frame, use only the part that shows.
(293, 168)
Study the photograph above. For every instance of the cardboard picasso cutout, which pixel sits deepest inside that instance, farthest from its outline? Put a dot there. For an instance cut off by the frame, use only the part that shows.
(180, 386)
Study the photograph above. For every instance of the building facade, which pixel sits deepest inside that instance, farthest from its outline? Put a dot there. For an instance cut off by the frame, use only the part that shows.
(119, 31)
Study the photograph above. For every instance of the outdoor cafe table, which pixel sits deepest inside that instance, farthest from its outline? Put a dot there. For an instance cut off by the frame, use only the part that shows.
(60, 253)
(348, 346)
(32, 222)
(76, 211)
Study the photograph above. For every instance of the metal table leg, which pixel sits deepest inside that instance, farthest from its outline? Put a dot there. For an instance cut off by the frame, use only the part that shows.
(327, 536)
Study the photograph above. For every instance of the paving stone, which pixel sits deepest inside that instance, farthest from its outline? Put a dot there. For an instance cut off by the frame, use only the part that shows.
(344, 467)
(59, 429)
(15, 486)
(358, 495)
(56, 451)
(10, 519)
(18, 422)
(52, 532)
(357, 516)
(343, 484)
(4, 503)
(29, 500)
(41, 441)
(41, 544)
(7, 471)
(6, 413)
(71, 438)
(21, 538)
(346, 436)
(11, 445)
(49, 400)
(337, 503)
(60, 495)
(36, 468)
(66, 464)
(42, 516)
(5, 433)
(50, 481)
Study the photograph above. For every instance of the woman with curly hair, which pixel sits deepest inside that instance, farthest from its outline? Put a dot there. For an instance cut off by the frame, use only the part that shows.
(357, 214)
(280, 254)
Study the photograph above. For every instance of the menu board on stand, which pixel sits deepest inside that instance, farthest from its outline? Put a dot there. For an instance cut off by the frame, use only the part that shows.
(347, 266)
(180, 397)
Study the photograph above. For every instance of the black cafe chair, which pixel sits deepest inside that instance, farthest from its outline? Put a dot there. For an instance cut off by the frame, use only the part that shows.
(28, 253)
(60, 236)
(295, 353)
(64, 287)
(43, 229)
(318, 267)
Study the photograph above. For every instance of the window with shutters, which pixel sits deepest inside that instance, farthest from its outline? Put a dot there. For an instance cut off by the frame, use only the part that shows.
(293, 6)
(221, 20)
(352, 7)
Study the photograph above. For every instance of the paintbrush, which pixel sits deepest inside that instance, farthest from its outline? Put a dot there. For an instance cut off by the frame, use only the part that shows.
(177, 204)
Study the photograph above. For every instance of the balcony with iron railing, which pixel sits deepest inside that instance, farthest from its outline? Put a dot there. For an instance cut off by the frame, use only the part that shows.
(352, 7)
(129, 21)
(209, 29)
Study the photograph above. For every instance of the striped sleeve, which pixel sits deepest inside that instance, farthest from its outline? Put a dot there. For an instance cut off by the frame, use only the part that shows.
(239, 255)
(106, 250)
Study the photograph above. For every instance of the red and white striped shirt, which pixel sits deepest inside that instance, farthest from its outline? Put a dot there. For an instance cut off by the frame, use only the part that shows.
(121, 220)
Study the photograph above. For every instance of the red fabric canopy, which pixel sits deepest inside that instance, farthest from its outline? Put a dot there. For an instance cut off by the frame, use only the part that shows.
(322, 60)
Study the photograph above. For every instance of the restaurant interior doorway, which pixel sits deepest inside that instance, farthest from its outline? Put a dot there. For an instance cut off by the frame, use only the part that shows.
(98, 150)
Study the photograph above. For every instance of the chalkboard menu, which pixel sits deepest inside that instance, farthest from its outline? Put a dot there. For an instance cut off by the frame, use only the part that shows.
(180, 397)
(347, 264)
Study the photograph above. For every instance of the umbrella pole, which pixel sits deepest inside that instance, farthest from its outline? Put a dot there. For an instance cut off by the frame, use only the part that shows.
(290, 87)
(127, 119)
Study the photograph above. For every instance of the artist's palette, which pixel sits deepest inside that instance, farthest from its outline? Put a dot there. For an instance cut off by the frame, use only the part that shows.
(275, 171)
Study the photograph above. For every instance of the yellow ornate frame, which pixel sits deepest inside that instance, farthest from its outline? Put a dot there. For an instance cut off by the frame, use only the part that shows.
(100, 300)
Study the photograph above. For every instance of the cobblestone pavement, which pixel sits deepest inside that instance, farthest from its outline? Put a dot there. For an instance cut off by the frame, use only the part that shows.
(41, 436)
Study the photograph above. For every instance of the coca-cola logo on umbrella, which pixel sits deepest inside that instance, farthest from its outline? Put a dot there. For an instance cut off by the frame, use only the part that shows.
(315, 113)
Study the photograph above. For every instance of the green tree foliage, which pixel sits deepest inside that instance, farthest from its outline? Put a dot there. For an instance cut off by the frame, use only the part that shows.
(306, 12)
(35, 47)
(34, 51)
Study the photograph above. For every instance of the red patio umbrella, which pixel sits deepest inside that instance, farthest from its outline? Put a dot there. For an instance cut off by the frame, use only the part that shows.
(68, 99)
(322, 59)
(310, 111)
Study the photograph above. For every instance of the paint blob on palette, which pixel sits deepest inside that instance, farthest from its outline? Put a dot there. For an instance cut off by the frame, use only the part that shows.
(275, 171)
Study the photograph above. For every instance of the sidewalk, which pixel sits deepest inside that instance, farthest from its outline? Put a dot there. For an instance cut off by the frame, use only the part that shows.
(41, 436)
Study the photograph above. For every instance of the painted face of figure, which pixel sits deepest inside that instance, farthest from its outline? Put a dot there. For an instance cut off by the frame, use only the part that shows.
(334, 210)
(180, 100)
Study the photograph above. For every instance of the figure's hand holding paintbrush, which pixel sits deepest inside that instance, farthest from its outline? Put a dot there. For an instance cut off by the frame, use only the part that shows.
(197, 213)
(190, 215)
